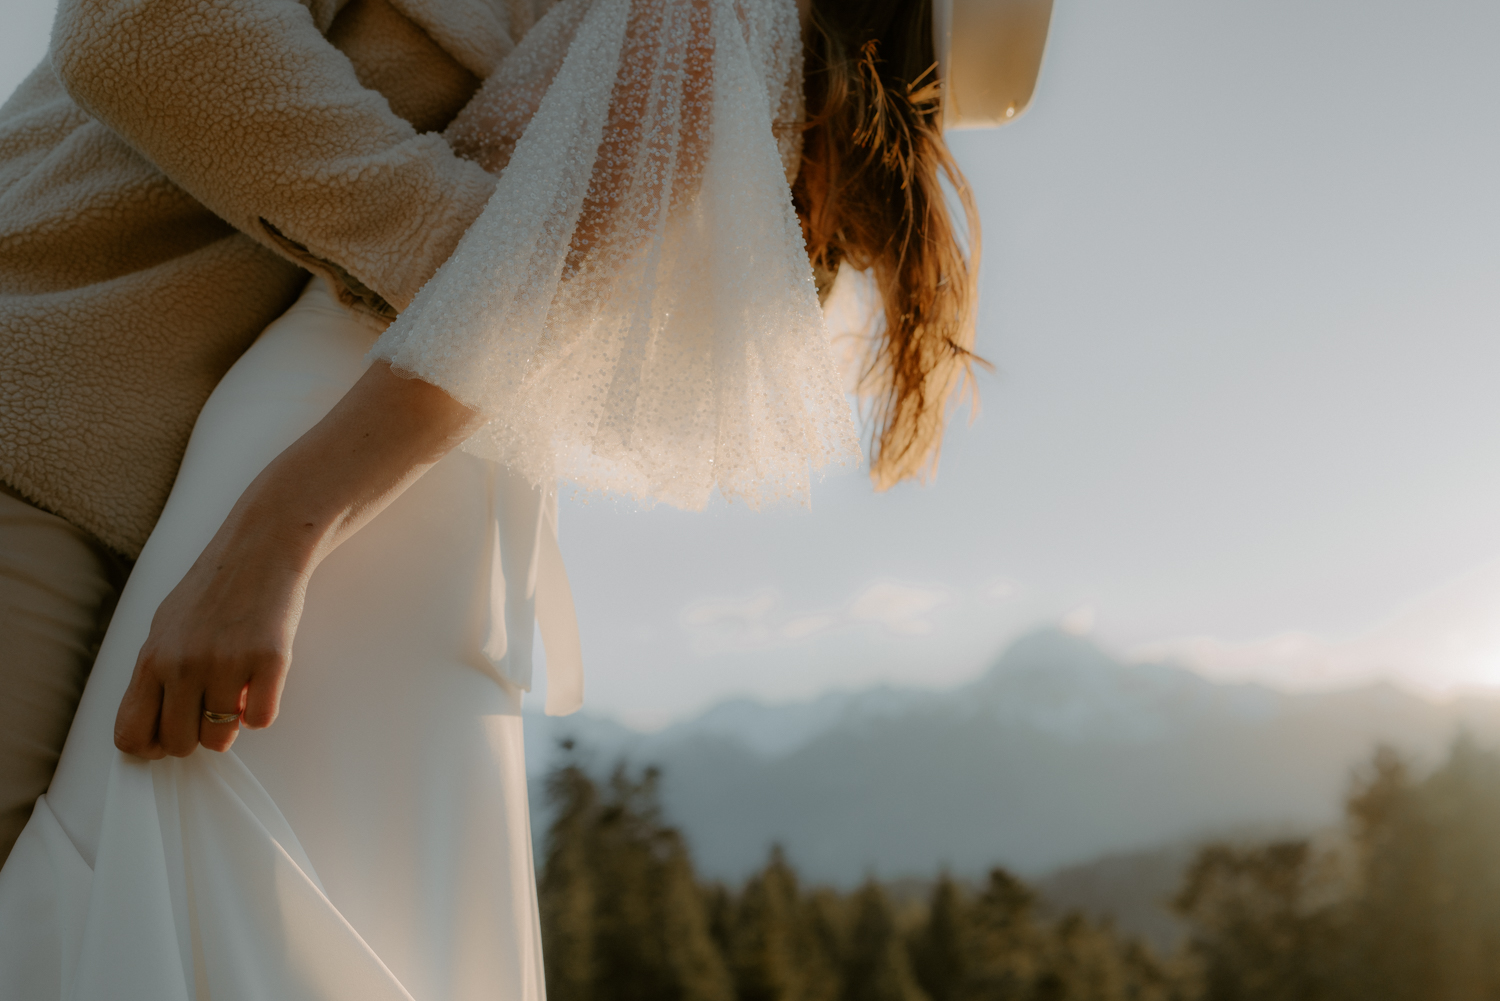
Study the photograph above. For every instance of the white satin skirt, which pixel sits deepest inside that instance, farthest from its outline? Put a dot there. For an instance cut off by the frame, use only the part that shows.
(374, 842)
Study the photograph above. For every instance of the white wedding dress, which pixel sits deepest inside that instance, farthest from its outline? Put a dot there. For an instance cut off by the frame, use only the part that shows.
(634, 311)
(374, 842)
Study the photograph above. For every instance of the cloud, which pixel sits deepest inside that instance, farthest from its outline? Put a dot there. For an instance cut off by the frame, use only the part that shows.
(899, 608)
(733, 612)
(724, 624)
(1080, 621)
(719, 624)
(808, 625)
(1446, 639)
(999, 591)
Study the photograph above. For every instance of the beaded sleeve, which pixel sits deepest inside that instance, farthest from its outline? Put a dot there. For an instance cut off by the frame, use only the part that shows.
(634, 310)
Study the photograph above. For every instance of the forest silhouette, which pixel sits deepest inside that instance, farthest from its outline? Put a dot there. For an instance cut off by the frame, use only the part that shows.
(1402, 903)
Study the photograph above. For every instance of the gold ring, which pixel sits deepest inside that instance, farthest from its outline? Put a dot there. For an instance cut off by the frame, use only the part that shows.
(220, 717)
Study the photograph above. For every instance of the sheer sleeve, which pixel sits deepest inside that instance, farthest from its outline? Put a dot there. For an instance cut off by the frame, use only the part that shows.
(634, 310)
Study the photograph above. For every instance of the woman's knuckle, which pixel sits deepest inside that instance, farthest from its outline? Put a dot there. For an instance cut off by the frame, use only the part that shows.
(133, 743)
(179, 748)
(259, 719)
(176, 667)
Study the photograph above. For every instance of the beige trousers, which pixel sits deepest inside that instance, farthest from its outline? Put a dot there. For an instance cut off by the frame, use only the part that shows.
(58, 586)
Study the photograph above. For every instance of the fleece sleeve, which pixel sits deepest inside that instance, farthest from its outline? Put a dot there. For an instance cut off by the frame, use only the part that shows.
(245, 105)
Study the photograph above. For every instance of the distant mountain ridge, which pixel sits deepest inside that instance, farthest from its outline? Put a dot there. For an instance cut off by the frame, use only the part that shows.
(1059, 754)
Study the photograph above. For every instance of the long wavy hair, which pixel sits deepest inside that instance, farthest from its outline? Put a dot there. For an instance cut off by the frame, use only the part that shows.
(870, 194)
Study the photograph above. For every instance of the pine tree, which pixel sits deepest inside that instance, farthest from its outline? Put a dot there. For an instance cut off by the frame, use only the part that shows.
(766, 953)
(825, 941)
(623, 918)
(1148, 978)
(1085, 961)
(652, 941)
(940, 949)
(693, 959)
(1267, 922)
(566, 889)
(1426, 918)
(1006, 945)
(1462, 803)
(875, 966)
(719, 906)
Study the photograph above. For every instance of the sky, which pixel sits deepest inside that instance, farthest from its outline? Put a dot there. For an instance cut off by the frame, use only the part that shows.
(1241, 289)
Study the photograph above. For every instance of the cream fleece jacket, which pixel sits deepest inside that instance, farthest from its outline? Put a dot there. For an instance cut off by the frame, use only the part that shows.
(166, 176)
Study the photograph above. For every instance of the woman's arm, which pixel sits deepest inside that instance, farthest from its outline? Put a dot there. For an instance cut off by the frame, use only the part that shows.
(222, 640)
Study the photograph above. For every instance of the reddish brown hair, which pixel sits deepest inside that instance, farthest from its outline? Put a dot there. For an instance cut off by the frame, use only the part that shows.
(870, 193)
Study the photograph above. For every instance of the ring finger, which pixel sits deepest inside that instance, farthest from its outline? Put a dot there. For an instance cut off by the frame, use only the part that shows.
(220, 721)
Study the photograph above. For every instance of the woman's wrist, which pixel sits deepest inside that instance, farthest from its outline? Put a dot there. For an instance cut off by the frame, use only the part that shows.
(282, 522)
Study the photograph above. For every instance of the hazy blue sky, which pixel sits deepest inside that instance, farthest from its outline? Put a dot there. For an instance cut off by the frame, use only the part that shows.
(1242, 289)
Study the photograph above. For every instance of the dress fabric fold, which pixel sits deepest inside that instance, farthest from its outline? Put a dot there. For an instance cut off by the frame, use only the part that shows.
(634, 309)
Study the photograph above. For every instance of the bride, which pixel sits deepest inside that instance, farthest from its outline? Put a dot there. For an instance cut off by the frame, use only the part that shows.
(363, 530)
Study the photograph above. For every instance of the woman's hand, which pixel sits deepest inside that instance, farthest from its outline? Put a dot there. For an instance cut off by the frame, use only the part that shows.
(221, 642)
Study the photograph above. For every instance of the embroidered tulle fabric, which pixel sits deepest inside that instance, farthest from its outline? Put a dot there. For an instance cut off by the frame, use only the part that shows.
(634, 310)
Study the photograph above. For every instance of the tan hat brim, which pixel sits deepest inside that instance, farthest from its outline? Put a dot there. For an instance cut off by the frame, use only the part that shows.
(989, 56)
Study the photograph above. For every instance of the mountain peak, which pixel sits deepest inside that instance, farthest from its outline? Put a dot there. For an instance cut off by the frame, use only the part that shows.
(1066, 684)
(1052, 648)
